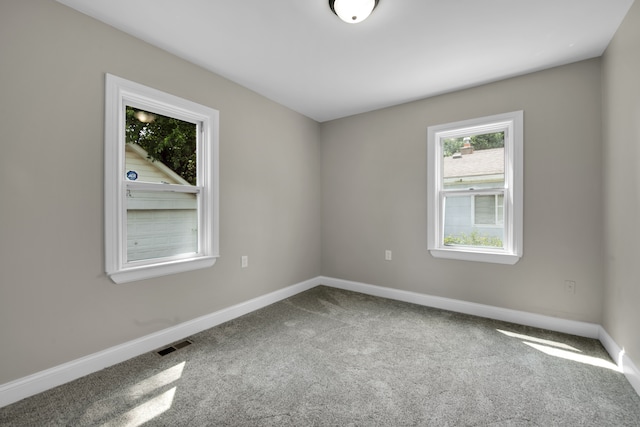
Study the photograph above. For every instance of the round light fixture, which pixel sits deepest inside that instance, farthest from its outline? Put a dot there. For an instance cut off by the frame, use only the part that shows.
(353, 11)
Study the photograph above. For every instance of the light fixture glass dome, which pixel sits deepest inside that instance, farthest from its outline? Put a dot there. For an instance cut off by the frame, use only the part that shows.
(353, 11)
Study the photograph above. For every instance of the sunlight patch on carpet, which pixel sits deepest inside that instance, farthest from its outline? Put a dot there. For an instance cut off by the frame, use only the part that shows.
(538, 340)
(588, 360)
(157, 381)
(561, 350)
(153, 404)
(145, 412)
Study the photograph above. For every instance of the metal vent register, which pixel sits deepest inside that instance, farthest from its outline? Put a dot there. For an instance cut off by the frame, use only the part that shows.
(174, 347)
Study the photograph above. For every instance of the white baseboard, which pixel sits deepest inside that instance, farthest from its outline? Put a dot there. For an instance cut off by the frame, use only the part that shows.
(583, 329)
(28, 386)
(624, 362)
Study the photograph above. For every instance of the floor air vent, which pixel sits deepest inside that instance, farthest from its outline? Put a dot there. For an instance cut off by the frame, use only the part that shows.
(174, 347)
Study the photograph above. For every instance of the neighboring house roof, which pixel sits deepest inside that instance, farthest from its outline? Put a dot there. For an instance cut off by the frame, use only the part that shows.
(479, 163)
(148, 170)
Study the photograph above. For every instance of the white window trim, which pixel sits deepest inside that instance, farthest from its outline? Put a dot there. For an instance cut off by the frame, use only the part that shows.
(513, 122)
(120, 92)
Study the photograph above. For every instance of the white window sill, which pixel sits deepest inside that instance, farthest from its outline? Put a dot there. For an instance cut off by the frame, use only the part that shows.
(470, 255)
(149, 271)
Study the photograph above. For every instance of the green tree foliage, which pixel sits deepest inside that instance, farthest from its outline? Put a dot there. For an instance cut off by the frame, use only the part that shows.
(451, 146)
(488, 140)
(166, 139)
(478, 142)
(473, 239)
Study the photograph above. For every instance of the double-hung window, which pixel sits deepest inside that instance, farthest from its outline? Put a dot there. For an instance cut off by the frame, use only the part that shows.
(475, 189)
(161, 183)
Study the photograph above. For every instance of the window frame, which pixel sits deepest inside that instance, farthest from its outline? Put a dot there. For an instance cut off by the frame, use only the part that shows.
(119, 93)
(513, 125)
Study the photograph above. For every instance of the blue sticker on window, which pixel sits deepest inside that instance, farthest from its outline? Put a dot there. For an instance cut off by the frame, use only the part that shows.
(132, 175)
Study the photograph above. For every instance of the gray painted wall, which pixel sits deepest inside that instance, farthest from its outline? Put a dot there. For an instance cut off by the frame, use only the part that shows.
(56, 304)
(374, 196)
(621, 82)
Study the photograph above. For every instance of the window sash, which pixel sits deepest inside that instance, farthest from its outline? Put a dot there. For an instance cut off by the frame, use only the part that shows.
(506, 233)
(129, 188)
(471, 194)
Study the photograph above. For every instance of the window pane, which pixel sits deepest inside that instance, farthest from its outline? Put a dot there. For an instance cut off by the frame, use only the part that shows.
(161, 224)
(473, 162)
(159, 149)
(459, 229)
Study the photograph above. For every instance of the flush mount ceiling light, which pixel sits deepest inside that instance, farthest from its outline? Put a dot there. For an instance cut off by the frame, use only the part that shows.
(353, 11)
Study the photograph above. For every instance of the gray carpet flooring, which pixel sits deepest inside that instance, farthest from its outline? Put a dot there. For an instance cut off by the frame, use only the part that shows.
(329, 357)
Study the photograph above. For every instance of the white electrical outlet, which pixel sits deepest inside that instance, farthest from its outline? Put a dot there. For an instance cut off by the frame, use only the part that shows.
(244, 261)
(387, 255)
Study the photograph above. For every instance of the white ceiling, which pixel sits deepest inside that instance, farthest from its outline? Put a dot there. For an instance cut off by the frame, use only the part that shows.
(299, 54)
